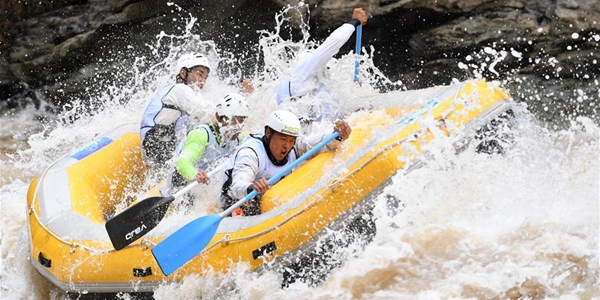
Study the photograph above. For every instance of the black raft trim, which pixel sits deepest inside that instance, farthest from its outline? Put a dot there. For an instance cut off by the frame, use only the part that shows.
(142, 272)
(268, 248)
(44, 261)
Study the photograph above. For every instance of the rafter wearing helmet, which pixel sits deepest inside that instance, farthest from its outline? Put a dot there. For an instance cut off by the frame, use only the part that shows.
(260, 157)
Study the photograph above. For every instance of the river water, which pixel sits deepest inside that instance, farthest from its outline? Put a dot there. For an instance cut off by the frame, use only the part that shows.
(524, 224)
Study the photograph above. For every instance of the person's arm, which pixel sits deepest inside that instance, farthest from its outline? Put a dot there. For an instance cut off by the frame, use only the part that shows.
(305, 143)
(245, 170)
(187, 100)
(307, 68)
(191, 153)
(299, 83)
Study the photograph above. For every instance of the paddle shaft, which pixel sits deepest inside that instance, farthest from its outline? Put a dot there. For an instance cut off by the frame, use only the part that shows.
(283, 172)
(357, 51)
(419, 112)
(190, 186)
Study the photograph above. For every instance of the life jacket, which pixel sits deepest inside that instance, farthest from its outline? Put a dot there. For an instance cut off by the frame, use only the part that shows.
(266, 169)
(214, 151)
(158, 141)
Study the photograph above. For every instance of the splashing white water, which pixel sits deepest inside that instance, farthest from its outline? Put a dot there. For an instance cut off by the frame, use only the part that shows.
(523, 224)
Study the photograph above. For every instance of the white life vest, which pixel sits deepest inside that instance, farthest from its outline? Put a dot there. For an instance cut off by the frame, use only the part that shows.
(155, 106)
(214, 152)
(266, 169)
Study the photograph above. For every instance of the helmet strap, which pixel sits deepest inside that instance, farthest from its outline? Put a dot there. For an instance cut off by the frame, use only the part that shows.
(180, 79)
(215, 129)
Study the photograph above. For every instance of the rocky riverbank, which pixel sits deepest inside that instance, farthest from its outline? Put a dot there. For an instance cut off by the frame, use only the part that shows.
(546, 50)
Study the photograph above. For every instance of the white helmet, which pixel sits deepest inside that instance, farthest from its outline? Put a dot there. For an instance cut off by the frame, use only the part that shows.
(233, 105)
(284, 122)
(191, 60)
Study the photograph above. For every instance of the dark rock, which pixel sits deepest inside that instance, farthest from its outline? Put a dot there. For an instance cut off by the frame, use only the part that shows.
(58, 48)
(462, 36)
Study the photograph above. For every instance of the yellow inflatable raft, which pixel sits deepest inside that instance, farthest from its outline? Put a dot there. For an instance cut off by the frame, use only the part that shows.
(70, 202)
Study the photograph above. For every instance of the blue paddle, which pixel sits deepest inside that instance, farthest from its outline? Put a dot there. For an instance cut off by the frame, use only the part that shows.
(357, 51)
(181, 246)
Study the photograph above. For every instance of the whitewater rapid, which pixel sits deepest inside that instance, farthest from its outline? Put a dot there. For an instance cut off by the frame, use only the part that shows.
(524, 224)
(470, 226)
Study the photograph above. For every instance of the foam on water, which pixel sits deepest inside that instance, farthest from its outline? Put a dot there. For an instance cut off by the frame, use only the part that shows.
(522, 224)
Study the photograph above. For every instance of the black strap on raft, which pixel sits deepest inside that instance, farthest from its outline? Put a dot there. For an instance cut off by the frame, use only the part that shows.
(268, 248)
(142, 272)
(44, 261)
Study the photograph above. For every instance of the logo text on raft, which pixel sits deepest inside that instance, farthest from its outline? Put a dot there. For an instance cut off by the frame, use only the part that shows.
(135, 231)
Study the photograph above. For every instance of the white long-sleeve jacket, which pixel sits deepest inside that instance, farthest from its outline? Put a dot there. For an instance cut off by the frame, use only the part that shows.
(251, 161)
(303, 78)
(165, 120)
(170, 103)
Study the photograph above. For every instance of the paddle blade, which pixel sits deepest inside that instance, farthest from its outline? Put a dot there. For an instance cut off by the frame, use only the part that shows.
(181, 246)
(137, 220)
